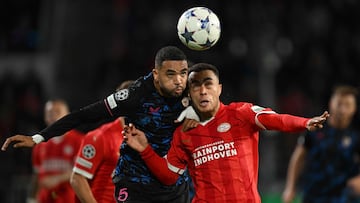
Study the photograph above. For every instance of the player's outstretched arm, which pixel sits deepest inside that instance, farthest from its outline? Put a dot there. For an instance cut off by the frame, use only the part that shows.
(137, 140)
(82, 188)
(19, 140)
(290, 123)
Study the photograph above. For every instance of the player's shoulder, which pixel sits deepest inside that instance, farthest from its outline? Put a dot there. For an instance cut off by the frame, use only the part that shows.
(105, 129)
(141, 86)
(74, 134)
(143, 82)
(240, 106)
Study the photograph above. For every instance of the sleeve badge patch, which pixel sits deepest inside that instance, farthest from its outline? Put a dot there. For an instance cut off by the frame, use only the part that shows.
(89, 151)
(122, 94)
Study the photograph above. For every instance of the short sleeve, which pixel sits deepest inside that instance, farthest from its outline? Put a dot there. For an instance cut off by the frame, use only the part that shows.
(90, 155)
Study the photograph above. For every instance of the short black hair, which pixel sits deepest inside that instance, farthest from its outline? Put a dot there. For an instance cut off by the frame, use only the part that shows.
(169, 53)
(345, 90)
(204, 66)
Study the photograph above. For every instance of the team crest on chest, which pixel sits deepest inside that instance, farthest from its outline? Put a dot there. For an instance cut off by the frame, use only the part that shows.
(122, 94)
(88, 151)
(223, 127)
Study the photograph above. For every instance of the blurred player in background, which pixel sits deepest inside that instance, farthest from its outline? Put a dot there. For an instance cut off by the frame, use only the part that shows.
(152, 103)
(53, 161)
(96, 160)
(328, 159)
(221, 153)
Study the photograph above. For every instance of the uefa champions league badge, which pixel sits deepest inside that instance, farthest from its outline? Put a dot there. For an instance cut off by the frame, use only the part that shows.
(88, 151)
(121, 94)
(185, 101)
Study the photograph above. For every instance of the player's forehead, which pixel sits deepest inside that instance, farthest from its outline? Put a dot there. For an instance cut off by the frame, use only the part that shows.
(202, 76)
(344, 98)
(174, 65)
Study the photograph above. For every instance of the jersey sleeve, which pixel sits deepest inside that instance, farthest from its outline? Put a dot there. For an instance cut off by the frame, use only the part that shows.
(167, 169)
(89, 114)
(267, 119)
(176, 157)
(90, 155)
(125, 101)
(158, 166)
(282, 122)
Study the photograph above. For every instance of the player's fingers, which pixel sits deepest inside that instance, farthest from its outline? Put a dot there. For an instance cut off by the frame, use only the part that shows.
(9, 140)
(325, 114)
(20, 144)
(5, 145)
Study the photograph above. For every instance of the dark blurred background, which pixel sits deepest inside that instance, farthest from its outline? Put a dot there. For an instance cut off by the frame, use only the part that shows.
(287, 55)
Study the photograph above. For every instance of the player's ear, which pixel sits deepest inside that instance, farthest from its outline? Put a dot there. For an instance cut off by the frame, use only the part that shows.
(155, 74)
(220, 89)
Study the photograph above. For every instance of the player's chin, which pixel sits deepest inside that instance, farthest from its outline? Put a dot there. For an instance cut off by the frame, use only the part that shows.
(177, 92)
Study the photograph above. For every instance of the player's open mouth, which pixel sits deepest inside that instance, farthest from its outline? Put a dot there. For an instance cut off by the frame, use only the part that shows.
(179, 90)
(204, 103)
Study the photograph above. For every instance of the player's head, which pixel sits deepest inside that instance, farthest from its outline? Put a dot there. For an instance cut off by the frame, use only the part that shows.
(342, 105)
(170, 72)
(205, 89)
(54, 110)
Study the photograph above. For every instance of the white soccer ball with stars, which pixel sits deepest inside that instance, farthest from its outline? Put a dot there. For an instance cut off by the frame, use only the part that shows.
(199, 28)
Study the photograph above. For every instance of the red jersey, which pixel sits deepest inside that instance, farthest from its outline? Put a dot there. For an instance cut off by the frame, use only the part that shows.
(97, 158)
(222, 154)
(54, 157)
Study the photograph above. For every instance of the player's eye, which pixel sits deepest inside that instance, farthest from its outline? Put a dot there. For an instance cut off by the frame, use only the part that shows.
(183, 73)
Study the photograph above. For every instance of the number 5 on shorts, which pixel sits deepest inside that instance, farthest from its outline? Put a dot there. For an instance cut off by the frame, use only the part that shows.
(123, 194)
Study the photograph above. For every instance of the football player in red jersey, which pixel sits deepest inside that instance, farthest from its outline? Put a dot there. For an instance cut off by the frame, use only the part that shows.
(96, 160)
(53, 161)
(221, 153)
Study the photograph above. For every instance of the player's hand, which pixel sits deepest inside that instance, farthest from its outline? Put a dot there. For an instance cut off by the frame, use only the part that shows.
(189, 124)
(20, 141)
(135, 138)
(317, 122)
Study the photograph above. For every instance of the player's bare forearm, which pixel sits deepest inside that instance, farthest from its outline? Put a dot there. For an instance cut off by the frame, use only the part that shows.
(19, 140)
(82, 188)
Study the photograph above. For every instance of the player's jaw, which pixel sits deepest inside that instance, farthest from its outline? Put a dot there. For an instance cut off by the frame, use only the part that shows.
(206, 107)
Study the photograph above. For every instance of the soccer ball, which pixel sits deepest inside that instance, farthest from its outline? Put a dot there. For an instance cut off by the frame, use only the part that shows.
(199, 28)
